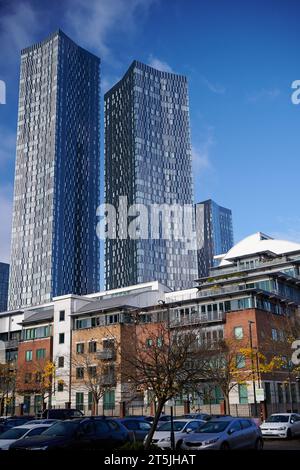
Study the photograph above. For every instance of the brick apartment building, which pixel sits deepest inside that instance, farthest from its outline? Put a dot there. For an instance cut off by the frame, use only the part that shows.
(253, 294)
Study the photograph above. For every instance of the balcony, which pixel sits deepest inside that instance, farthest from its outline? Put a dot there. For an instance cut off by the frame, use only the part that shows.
(12, 344)
(106, 354)
(108, 379)
(197, 319)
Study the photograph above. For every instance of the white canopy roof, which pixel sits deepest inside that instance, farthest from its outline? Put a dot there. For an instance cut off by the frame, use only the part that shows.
(258, 243)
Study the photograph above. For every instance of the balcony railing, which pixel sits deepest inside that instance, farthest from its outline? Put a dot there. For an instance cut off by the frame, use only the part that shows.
(197, 319)
(108, 379)
(106, 354)
(12, 344)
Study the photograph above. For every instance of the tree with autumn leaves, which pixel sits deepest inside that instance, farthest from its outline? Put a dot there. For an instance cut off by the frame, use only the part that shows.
(7, 384)
(163, 361)
(227, 365)
(37, 379)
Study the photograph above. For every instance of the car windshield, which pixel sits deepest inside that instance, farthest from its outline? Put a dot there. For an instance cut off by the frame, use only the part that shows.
(178, 426)
(214, 427)
(15, 433)
(62, 429)
(278, 419)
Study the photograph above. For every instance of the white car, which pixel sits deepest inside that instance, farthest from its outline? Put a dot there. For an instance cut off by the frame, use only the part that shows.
(162, 437)
(283, 425)
(21, 432)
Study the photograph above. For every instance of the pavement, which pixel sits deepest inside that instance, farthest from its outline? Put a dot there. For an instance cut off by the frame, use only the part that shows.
(282, 444)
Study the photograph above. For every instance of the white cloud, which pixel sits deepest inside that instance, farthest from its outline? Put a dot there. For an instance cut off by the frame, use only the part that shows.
(18, 28)
(214, 87)
(159, 64)
(6, 196)
(201, 154)
(264, 94)
(91, 22)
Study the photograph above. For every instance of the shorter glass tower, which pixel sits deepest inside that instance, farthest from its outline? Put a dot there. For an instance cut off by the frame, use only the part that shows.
(214, 234)
(4, 277)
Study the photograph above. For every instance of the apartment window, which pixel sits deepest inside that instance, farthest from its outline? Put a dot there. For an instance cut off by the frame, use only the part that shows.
(92, 371)
(38, 377)
(280, 392)
(92, 346)
(40, 353)
(60, 386)
(109, 400)
(274, 334)
(28, 355)
(28, 377)
(108, 344)
(80, 348)
(240, 361)
(61, 338)
(268, 392)
(62, 315)
(238, 332)
(243, 394)
(79, 401)
(79, 372)
(61, 361)
(149, 342)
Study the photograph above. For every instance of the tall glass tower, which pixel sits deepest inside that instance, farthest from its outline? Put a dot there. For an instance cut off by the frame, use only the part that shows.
(214, 234)
(55, 249)
(4, 276)
(148, 161)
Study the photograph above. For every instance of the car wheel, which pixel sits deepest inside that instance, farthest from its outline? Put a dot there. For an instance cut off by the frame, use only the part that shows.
(225, 446)
(259, 444)
(289, 434)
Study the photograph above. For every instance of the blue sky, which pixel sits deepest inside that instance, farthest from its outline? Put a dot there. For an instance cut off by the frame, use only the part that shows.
(240, 59)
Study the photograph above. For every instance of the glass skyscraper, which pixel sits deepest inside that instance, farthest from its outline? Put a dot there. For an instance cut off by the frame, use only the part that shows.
(55, 249)
(148, 160)
(4, 276)
(214, 234)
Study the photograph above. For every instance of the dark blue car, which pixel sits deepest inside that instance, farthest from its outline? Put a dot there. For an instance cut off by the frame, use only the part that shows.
(138, 426)
(78, 434)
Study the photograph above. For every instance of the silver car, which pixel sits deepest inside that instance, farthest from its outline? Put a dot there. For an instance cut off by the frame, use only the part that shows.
(162, 436)
(225, 434)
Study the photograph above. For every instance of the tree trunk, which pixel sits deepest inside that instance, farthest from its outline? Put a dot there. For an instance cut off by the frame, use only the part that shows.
(96, 407)
(159, 409)
(227, 404)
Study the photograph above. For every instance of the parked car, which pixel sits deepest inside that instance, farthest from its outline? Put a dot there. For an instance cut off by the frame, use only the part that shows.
(225, 433)
(164, 418)
(78, 434)
(203, 416)
(11, 422)
(139, 427)
(282, 425)
(42, 421)
(162, 436)
(21, 432)
(62, 413)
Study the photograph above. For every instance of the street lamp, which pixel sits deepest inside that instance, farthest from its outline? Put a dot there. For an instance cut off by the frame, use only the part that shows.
(250, 322)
